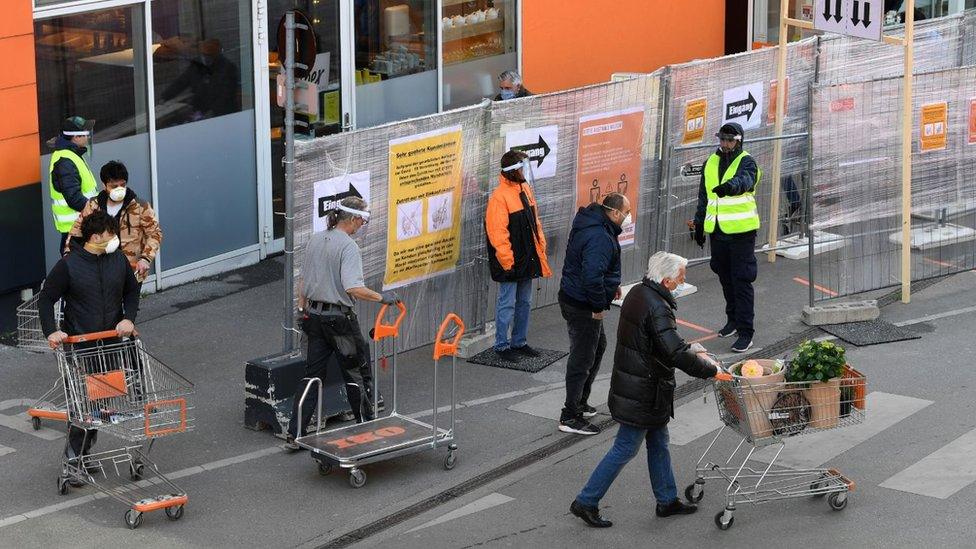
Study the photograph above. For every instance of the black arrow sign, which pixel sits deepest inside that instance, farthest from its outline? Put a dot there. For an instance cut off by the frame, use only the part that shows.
(536, 151)
(326, 201)
(856, 13)
(867, 14)
(838, 16)
(826, 12)
(744, 107)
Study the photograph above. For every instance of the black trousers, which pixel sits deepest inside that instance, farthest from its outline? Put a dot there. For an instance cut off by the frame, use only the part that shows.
(734, 261)
(340, 335)
(587, 342)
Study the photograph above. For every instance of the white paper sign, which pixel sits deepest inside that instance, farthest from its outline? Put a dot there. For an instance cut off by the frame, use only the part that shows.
(744, 105)
(861, 18)
(541, 144)
(329, 192)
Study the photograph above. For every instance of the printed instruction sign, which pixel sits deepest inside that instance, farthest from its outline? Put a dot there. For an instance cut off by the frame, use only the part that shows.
(972, 122)
(328, 192)
(541, 144)
(771, 113)
(934, 127)
(608, 160)
(424, 225)
(695, 112)
(744, 105)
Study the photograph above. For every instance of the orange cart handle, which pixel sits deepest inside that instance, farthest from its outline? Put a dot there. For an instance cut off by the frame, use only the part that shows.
(381, 330)
(93, 336)
(441, 347)
(723, 376)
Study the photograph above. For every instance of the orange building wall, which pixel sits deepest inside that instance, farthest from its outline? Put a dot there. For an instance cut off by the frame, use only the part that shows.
(571, 43)
(19, 154)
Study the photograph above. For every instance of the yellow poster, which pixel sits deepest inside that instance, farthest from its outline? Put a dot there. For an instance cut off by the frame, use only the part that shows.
(424, 218)
(695, 112)
(330, 108)
(934, 127)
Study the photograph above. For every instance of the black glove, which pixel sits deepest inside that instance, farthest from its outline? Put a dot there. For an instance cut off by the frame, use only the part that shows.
(723, 190)
(508, 275)
(700, 235)
(389, 298)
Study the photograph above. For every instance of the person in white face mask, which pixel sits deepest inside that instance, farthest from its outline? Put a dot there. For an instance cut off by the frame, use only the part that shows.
(100, 293)
(139, 230)
(590, 281)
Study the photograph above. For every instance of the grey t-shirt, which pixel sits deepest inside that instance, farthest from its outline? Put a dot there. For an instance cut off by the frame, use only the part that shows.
(332, 265)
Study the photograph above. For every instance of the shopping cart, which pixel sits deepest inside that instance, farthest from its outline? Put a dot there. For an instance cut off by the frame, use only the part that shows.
(114, 385)
(393, 435)
(766, 414)
(50, 405)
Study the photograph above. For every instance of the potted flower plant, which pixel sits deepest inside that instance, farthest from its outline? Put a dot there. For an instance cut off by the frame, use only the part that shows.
(819, 365)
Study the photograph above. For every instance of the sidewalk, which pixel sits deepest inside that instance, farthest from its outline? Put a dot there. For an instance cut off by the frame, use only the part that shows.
(241, 488)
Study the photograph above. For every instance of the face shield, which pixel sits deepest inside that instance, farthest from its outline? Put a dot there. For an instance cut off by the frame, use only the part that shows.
(526, 166)
(87, 129)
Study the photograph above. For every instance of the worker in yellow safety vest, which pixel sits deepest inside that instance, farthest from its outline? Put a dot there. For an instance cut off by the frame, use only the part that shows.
(727, 211)
(71, 181)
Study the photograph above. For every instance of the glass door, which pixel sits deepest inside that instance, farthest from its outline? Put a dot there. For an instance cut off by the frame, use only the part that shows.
(322, 102)
(93, 64)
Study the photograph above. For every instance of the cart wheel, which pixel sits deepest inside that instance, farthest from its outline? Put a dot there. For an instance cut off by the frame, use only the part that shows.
(174, 513)
(451, 460)
(133, 519)
(136, 470)
(694, 492)
(357, 478)
(325, 468)
(36, 423)
(723, 522)
(62, 485)
(837, 501)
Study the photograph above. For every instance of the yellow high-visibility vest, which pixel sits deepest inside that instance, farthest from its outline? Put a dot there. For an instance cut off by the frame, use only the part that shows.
(65, 215)
(735, 214)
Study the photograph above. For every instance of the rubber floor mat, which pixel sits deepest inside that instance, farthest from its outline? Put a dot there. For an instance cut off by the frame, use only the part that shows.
(531, 364)
(872, 332)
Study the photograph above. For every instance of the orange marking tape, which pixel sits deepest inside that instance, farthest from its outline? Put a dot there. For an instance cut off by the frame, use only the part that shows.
(694, 326)
(818, 287)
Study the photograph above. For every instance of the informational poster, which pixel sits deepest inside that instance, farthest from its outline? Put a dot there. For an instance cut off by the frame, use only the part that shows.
(842, 105)
(330, 107)
(695, 113)
(933, 130)
(541, 144)
(744, 105)
(328, 192)
(424, 229)
(771, 112)
(972, 122)
(608, 160)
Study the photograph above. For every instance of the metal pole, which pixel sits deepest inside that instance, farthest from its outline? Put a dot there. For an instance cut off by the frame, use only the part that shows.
(808, 201)
(784, 28)
(664, 153)
(289, 161)
(667, 200)
(906, 155)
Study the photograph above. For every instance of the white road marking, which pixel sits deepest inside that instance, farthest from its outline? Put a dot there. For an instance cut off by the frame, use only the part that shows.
(942, 473)
(694, 420)
(4, 450)
(476, 506)
(549, 404)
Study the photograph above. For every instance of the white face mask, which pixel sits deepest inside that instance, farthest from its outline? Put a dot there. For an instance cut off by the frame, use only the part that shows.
(628, 222)
(117, 194)
(112, 245)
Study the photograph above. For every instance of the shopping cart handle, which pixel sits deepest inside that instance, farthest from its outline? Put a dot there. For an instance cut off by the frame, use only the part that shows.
(93, 336)
(441, 347)
(723, 376)
(381, 330)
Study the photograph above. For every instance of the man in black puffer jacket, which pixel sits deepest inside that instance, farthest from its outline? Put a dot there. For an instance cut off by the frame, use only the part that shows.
(642, 389)
(100, 293)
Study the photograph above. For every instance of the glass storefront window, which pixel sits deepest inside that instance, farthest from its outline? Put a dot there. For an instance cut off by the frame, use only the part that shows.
(479, 44)
(396, 59)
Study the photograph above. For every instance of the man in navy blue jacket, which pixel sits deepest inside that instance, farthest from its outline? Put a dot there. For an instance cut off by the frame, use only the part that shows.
(590, 281)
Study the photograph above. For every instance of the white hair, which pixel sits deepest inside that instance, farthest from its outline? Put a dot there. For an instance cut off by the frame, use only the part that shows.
(512, 76)
(663, 265)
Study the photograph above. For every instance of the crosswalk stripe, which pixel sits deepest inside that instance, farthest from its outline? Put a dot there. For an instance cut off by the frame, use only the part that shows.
(942, 473)
(4, 450)
(883, 411)
(487, 502)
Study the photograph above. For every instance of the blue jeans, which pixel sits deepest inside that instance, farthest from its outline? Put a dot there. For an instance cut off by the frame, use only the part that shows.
(624, 448)
(512, 312)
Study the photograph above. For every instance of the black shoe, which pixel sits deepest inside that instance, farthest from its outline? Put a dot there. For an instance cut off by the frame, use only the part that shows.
(676, 507)
(509, 355)
(743, 344)
(588, 411)
(578, 426)
(290, 446)
(526, 350)
(728, 330)
(590, 515)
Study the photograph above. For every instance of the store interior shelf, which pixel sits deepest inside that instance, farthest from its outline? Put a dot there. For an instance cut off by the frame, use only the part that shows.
(449, 3)
(474, 29)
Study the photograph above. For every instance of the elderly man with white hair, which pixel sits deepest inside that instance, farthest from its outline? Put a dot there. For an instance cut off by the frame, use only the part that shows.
(642, 389)
(510, 86)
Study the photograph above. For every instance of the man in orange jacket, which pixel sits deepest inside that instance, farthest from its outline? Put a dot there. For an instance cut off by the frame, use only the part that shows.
(516, 255)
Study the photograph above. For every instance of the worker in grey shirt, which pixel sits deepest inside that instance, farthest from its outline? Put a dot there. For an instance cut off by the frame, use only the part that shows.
(331, 282)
